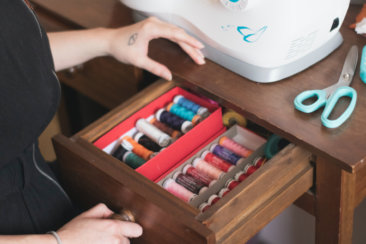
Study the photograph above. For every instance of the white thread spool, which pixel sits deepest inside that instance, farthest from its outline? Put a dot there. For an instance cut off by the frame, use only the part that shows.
(153, 133)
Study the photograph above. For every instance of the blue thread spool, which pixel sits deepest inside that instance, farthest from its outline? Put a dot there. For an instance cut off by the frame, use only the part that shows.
(184, 113)
(147, 142)
(226, 154)
(173, 121)
(184, 102)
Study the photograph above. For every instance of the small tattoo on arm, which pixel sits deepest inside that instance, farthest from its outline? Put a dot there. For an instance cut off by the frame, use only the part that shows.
(132, 39)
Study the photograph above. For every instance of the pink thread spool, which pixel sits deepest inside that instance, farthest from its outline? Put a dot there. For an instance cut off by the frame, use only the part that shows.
(240, 176)
(179, 191)
(207, 168)
(223, 192)
(249, 169)
(234, 147)
(192, 171)
(216, 161)
(231, 184)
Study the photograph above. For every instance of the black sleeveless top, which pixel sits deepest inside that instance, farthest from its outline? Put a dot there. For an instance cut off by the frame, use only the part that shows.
(31, 200)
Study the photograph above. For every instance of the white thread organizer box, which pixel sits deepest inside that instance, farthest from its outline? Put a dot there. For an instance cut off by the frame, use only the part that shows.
(90, 175)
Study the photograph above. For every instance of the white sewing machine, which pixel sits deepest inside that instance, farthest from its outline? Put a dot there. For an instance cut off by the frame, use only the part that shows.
(262, 40)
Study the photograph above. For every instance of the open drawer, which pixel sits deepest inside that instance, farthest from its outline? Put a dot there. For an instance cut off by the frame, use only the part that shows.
(92, 176)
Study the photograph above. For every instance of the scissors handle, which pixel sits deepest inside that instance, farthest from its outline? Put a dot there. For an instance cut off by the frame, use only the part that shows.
(309, 108)
(343, 91)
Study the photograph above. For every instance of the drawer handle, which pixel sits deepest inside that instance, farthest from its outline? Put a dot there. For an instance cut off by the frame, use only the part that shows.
(124, 215)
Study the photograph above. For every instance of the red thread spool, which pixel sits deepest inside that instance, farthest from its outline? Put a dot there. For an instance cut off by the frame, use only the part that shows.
(204, 206)
(240, 176)
(192, 171)
(231, 184)
(213, 199)
(216, 161)
(259, 161)
(177, 190)
(207, 168)
(234, 147)
(223, 192)
(249, 169)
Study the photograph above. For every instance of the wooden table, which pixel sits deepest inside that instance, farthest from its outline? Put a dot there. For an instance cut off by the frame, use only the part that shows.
(339, 154)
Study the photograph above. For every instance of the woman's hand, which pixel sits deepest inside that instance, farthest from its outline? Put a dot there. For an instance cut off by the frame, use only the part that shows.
(130, 44)
(95, 227)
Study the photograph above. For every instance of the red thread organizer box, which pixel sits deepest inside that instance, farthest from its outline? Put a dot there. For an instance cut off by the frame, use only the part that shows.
(181, 149)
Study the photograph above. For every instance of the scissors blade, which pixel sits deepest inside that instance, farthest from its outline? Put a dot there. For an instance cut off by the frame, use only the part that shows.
(349, 67)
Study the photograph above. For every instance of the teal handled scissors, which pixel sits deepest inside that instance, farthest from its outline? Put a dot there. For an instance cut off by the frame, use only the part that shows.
(330, 95)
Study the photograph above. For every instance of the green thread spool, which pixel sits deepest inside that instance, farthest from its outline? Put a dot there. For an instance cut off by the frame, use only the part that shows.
(133, 160)
(184, 113)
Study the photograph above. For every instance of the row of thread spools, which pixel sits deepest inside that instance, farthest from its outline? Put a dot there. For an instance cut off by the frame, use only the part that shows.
(204, 171)
(159, 131)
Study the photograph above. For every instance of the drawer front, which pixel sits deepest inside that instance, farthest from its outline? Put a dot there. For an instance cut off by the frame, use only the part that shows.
(89, 181)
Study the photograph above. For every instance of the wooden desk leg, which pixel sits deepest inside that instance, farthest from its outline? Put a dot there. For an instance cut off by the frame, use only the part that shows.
(335, 201)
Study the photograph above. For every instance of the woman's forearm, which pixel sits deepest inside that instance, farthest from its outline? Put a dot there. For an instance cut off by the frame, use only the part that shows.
(28, 239)
(71, 48)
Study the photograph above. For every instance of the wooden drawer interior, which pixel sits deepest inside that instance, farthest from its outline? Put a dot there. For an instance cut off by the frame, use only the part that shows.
(92, 176)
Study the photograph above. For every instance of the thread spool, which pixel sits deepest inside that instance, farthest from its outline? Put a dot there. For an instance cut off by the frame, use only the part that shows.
(120, 151)
(231, 118)
(231, 184)
(223, 192)
(184, 102)
(177, 190)
(259, 161)
(249, 169)
(207, 169)
(204, 206)
(240, 176)
(217, 161)
(131, 145)
(226, 154)
(213, 199)
(147, 142)
(153, 133)
(192, 171)
(184, 113)
(175, 134)
(235, 147)
(133, 160)
(173, 121)
(189, 183)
